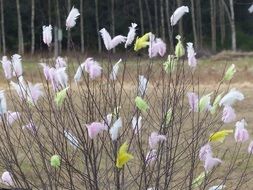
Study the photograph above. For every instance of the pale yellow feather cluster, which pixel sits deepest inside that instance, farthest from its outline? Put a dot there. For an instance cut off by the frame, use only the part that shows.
(219, 136)
(123, 156)
(141, 42)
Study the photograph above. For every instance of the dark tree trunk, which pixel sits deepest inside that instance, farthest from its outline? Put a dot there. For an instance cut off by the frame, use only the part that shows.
(81, 26)
(141, 17)
(170, 29)
(32, 27)
(97, 27)
(20, 31)
(213, 24)
(149, 16)
(156, 18)
(162, 19)
(194, 24)
(2, 26)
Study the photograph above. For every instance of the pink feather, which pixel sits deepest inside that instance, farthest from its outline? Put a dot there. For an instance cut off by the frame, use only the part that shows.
(45, 70)
(12, 117)
(155, 138)
(34, 92)
(211, 162)
(6, 64)
(30, 126)
(93, 68)
(95, 128)
(193, 101)
(204, 150)
(151, 157)
(241, 134)
(228, 114)
(156, 47)
(60, 62)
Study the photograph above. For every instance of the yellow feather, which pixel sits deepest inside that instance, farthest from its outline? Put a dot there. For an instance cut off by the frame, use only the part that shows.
(123, 157)
(219, 136)
(141, 42)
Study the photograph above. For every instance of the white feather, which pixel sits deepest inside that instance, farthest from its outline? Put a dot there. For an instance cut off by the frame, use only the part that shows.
(143, 84)
(109, 42)
(136, 125)
(6, 64)
(71, 19)
(106, 38)
(114, 131)
(62, 77)
(117, 40)
(230, 98)
(78, 74)
(108, 119)
(20, 88)
(17, 65)
(22, 85)
(12, 117)
(179, 12)
(115, 69)
(131, 34)
(47, 34)
(217, 187)
(72, 139)
(3, 105)
(16, 87)
(192, 62)
(250, 9)
(60, 62)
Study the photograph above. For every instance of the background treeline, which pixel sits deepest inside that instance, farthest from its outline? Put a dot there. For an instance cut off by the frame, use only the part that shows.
(211, 24)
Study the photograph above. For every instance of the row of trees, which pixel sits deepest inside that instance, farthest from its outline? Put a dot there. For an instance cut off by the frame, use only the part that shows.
(209, 23)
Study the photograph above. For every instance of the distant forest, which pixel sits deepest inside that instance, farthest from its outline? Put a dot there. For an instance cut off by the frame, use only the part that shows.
(212, 25)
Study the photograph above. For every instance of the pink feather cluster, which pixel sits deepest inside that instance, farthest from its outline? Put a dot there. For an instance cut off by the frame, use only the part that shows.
(30, 126)
(90, 66)
(155, 138)
(241, 134)
(12, 68)
(56, 75)
(156, 46)
(193, 101)
(95, 128)
(205, 155)
(228, 114)
(93, 68)
(151, 157)
(60, 62)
